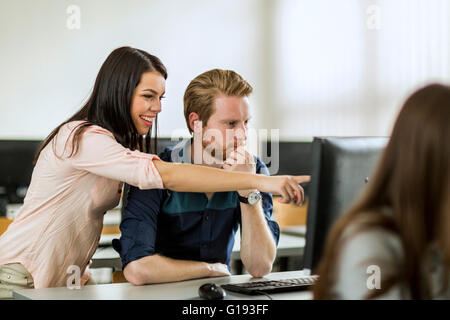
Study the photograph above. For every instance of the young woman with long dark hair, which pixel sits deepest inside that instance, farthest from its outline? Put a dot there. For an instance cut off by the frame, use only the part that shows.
(80, 168)
(394, 242)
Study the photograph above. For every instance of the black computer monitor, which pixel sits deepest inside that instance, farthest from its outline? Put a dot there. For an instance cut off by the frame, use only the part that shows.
(16, 167)
(341, 166)
(287, 157)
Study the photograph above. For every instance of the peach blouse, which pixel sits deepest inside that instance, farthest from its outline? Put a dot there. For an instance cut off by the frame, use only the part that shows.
(60, 222)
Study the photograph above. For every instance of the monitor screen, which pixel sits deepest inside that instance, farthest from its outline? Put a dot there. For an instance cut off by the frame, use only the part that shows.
(287, 157)
(341, 167)
(16, 167)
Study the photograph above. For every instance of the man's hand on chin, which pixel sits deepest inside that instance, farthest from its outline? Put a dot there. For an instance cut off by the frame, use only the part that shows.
(240, 160)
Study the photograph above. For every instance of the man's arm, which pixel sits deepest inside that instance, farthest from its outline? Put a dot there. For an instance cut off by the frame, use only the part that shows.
(157, 269)
(142, 265)
(258, 249)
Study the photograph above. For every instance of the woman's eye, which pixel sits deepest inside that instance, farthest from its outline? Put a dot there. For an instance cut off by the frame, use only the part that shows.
(162, 97)
(148, 96)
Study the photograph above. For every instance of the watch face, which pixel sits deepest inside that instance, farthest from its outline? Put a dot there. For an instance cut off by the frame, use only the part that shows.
(254, 197)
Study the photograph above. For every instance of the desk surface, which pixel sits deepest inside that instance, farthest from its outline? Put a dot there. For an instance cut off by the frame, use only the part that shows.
(288, 246)
(183, 290)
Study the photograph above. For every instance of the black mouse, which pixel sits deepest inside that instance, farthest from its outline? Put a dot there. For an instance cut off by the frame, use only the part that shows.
(211, 291)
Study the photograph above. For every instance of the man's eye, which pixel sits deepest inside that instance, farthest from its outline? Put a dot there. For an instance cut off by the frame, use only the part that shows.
(232, 123)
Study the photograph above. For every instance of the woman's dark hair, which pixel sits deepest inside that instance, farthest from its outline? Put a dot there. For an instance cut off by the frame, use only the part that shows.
(412, 178)
(109, 104)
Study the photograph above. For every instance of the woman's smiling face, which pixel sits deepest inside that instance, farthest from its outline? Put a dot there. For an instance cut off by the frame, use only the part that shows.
(146, 101)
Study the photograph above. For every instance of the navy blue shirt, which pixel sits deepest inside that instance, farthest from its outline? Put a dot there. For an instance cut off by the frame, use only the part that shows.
(184, 225)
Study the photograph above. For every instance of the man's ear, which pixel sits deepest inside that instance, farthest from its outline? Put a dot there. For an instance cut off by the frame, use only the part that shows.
(193, 117)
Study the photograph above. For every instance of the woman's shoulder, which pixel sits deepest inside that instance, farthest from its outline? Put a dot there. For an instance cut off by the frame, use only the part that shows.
(364, 239)
(71, 126)
(64, 139)
(373, 238)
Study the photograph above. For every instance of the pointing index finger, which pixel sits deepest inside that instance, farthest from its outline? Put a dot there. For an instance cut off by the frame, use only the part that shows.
(302, 179)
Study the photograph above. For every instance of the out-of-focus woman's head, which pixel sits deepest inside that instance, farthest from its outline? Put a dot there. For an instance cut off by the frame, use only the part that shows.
(411, 181)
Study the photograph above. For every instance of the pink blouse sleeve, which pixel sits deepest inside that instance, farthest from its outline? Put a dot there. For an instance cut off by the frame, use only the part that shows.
(100, 154)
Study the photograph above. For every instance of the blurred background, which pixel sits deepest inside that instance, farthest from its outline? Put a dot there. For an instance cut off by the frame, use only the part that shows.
(318, 68)
(322, 67)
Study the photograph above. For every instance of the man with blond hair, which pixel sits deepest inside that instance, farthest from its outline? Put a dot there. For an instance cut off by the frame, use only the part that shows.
(172, 236)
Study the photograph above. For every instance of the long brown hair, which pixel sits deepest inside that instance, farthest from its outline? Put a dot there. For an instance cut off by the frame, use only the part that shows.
(412, 178)
(109, 104)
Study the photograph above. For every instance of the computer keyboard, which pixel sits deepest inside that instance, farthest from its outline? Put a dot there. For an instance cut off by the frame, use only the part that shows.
(272, 286)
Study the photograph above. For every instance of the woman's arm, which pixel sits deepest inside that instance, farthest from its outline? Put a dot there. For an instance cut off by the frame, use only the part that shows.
(99, 153)
(195, 178)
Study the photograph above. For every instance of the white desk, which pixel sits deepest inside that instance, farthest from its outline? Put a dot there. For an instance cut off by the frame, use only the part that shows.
(299, 231)
(288, 246)
(183, 290)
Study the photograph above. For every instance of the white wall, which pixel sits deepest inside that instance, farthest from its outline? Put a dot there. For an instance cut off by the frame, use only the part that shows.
(346, 67)
(48, 70)
(316, 66)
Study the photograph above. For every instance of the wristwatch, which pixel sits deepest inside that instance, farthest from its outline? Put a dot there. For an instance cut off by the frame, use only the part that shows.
(252, 198)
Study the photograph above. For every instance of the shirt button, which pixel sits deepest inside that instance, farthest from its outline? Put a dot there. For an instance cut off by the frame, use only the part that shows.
(207, 218)
(205, 246)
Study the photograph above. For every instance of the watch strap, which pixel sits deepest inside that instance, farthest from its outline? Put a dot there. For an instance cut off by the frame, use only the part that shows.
(243, 199)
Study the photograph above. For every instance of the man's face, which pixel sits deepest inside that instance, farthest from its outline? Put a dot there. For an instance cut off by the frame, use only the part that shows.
(230, 119)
